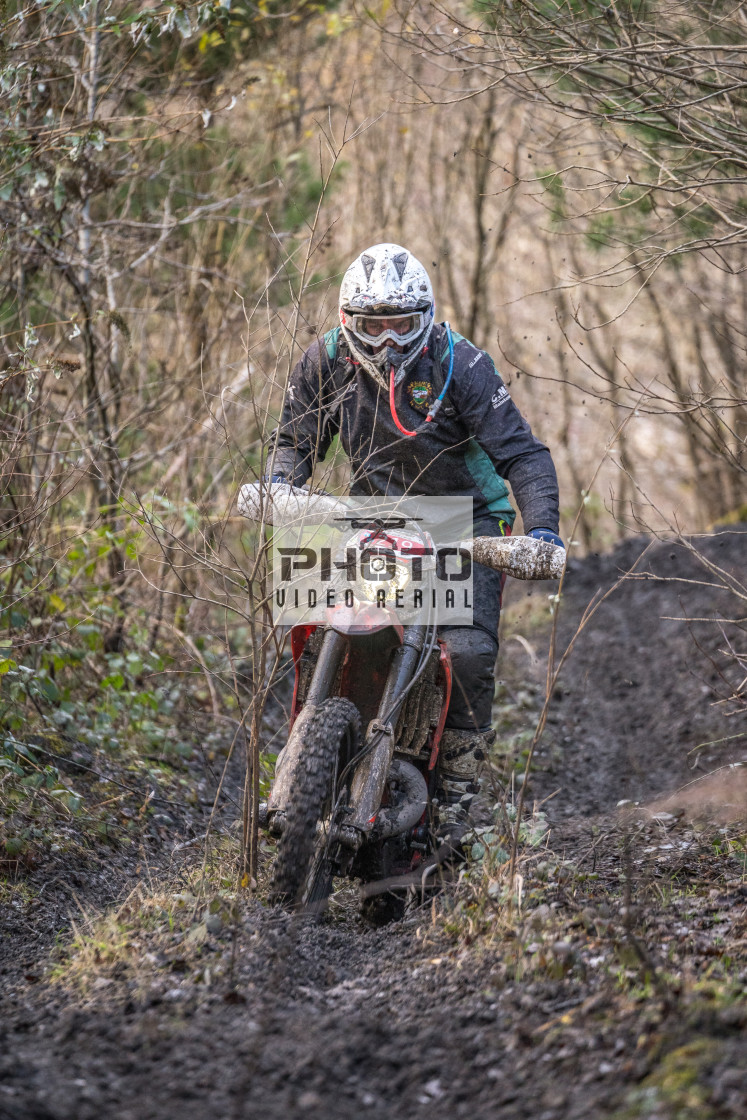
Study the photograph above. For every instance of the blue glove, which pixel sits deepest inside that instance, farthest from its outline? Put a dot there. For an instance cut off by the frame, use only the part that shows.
(546, 535)
(277, 478)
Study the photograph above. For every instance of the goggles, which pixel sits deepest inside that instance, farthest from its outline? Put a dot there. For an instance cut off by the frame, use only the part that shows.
(375, 330)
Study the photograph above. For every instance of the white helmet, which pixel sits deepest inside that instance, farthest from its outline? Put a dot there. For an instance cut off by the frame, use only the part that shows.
(386, 297)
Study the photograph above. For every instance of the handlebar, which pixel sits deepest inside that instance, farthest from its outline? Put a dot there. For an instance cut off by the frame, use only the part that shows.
(280, 503)
(520, 557)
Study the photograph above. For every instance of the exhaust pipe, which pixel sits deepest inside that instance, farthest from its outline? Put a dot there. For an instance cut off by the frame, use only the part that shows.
(413, 799)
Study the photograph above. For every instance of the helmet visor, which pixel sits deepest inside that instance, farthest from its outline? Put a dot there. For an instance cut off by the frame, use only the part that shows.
(376, 330)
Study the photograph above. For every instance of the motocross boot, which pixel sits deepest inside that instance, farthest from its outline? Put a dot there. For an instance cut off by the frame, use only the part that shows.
(462, 757)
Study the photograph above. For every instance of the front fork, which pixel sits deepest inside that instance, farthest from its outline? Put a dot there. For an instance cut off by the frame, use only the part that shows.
(370, 774)
(369, 779)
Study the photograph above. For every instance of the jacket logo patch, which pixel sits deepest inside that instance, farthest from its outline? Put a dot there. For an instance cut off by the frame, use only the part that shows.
(421, 395)
(500, 397)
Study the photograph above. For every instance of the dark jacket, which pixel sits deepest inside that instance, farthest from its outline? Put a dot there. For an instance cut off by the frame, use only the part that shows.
(478, 439)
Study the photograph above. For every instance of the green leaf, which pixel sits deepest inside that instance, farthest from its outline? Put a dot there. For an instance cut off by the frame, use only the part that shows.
(8, 764)
(50, 689)
(68, 797)
(183, 26)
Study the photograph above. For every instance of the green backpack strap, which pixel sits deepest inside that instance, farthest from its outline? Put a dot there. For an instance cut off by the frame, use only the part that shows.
(332, 346)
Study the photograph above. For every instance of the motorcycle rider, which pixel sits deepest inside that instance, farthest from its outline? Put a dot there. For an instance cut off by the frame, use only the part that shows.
(373, 381)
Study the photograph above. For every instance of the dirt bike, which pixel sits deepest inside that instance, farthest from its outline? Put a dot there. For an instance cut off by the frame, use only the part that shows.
(355, 786)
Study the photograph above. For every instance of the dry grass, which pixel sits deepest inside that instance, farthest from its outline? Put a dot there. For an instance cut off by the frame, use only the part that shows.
(181, 926)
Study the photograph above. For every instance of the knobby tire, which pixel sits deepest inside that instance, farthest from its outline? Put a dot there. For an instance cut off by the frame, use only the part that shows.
(301, 875)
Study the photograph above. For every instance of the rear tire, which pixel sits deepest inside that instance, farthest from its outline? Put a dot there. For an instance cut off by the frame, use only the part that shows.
(376, 863)
(302, 873)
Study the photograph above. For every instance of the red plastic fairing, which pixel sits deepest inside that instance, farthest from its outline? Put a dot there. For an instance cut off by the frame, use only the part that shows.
(366, 619)
(445, 660)
(299, 637)
(366, 668)
(406, 546)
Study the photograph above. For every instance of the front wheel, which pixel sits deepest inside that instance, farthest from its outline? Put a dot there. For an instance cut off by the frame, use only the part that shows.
(302, 873)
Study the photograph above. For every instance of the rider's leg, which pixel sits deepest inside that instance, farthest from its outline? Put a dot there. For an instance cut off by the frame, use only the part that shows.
(468, 734)
(473, 653)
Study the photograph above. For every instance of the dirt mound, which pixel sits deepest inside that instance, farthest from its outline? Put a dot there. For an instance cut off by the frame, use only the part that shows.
(648, 699)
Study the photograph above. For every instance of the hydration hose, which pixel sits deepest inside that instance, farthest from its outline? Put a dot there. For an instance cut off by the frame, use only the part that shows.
(393, 407)
(433, 410)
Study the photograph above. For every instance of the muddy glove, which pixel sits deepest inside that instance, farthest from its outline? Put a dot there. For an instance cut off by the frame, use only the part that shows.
(544, 535)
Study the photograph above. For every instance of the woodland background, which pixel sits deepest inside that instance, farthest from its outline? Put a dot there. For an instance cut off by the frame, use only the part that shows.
(181, 188)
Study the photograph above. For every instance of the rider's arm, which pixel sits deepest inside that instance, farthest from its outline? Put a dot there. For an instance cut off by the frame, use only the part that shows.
(306, 429)
(494, 421)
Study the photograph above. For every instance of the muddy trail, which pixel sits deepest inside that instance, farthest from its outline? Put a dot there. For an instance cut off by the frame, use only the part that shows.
(615, 986)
